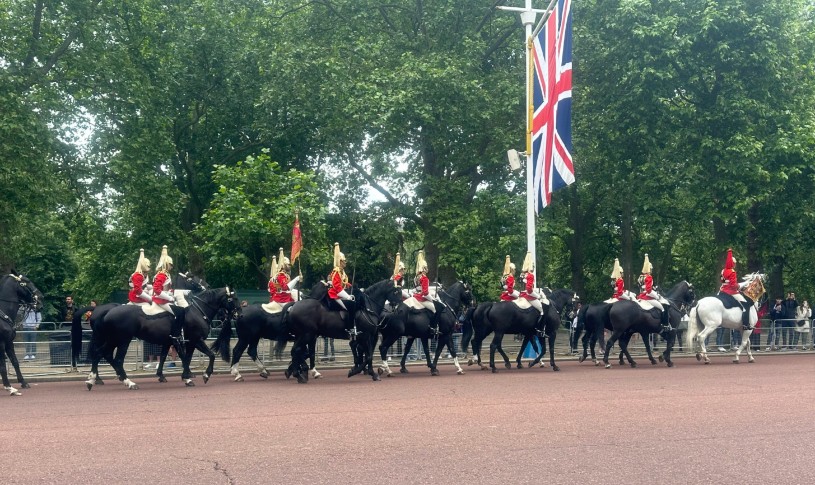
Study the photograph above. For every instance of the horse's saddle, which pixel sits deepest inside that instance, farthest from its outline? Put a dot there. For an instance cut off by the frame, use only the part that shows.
(272, 307)
(729, 301)
(152, 309)
(647, 305)
(522, 303)
(611, 300)
(414, 304)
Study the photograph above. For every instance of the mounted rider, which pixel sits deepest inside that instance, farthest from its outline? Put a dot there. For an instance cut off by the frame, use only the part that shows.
(282, 281)
(272, 275)
(163, 295)
(730, 286)
(399, 276)
(338, 280)
(528, 280)
(139, 283)
(617, 282)
(650, 295)
(422, 290)
(508, 282)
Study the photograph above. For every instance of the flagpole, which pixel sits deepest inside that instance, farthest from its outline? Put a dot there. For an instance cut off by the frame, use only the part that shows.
(528, 15)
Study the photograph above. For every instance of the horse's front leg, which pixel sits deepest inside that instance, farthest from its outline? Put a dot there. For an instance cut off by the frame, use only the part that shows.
(495, 345)
(118, 364)
(745, 341)
(426, 349)
(201, 345)
(311, 346)
(521, 353)
(252, 351)
(615, 335)
(186, 360)
(440, 344)
(646, 339)
(452, 348)
(12, 357)
(384, 347)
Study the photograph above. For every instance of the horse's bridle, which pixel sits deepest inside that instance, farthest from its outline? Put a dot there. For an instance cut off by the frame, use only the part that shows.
(24, 285)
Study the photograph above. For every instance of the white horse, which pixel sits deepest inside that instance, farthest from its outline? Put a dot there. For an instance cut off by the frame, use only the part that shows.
(710, 314)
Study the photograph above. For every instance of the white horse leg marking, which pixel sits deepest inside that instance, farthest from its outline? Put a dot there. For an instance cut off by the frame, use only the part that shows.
(235, 372)
(385, 367)
(459, 370)
(315, 374)
(130, 384)
(91, 379)
(12, 391)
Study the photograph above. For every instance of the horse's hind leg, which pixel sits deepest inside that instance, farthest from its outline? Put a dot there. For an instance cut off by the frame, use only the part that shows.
(12, 357)
(426, 350)
(551, 337)
(237, 353)
(624, 341)
(201, 345)
(384, 347)
(162, 358)
(495, 345)
(615, 335)
(500, 350)
(4, 374)
(118, 365)
(408, 345)
(311, 347)
(518, 364)
(452, 348)
(701, 337)
(253, 354)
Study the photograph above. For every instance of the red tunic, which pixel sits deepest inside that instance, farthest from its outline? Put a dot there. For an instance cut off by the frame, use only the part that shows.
(161, 283)
(283, 294)
(510, 285)
(397, 279)
(530, 287)
(619, 288)
(137, 287)
(339, 281)
(649, 287)
(272, 289)
(730, 284)
(424, 292)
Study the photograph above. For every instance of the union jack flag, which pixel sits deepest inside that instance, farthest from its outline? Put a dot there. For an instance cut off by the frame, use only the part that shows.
(552, 105)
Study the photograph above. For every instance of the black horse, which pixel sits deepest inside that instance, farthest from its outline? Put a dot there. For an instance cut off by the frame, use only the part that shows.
(15, 289)
(561, 302)
(254, 324)
(413, 323)
(627, 318)
(114, 329)
(505, 317)
(311, 318)
(595, 320)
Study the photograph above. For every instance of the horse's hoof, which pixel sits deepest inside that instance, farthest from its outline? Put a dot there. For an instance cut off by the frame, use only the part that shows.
(698, 356)
(134, 387)
(206, 378)
(751, 360)
(25, 385)
(89, 385)
(531, 364)
(287, 373)
(99, 381)
(374, 376)
(654, 361)
(735, 361)
(521, 366)
(239, 379)
(581, 358)
(380, 371)
(434, 372)
(162, 379)
(264, 374)
(608, 366)
(494, 370)
(301, 379)
(189, 383)
(707, 362)
(555, 368)
(543, 365)
(596, 363)
(484, 367)
(461, 372)
(403, 370)
(670, 364)
(661, 358)
(633, 365)
(470, 362)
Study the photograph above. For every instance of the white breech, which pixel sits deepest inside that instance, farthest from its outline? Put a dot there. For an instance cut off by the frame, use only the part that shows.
(536, 303)
(429, 305)
(166, 307)
(340, 303)
(405, 295)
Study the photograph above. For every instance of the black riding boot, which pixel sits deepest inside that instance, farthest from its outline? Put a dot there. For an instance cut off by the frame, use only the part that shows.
(666, 323)
(745, 318)
(176, 328)
(434, 323)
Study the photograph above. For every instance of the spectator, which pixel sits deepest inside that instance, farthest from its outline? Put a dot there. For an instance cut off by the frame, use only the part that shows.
(77, 325)
(802, 322)
(328, 342)
(776, 313)
(577, 328)
(67, 313)
(31, 323)
(790, 311)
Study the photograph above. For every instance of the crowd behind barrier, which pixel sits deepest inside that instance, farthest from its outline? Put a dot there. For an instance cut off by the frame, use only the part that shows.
(52, 347)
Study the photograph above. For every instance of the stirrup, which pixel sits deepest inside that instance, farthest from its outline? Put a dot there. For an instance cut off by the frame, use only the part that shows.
(353, 332)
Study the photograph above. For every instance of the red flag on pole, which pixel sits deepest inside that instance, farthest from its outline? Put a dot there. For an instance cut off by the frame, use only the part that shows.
(296, 239)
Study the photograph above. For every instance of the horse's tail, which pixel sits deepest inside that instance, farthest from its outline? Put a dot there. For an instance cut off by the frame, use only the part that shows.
(222, 343)
(467, 329)
(693, 329)
(97, 329)
(282, 338)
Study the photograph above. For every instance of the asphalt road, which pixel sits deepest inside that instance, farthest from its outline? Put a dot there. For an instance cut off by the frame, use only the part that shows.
(747, 423)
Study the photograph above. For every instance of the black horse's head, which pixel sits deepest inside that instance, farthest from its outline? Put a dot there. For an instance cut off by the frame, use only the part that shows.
(381, 292)
(23, 290)
(188, 281)
(230, 303)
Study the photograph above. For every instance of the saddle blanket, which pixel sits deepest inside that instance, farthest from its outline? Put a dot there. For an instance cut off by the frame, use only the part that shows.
(272, 307)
